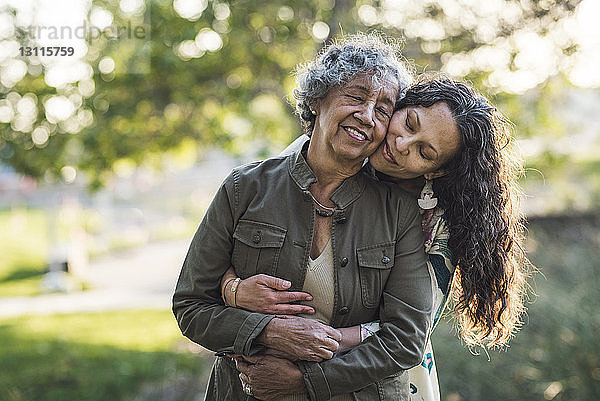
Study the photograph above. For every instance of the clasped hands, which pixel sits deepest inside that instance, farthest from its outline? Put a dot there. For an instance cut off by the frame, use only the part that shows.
(288, 338)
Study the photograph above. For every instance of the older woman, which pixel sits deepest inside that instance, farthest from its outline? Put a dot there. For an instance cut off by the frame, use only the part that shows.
(445, 132)
(317, 218)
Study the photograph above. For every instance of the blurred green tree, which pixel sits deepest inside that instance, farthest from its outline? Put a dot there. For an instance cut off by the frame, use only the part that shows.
(217, 73)
(555, 356)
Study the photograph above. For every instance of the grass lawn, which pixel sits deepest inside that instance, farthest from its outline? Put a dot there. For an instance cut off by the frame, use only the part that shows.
(99, 356)
(23, 246)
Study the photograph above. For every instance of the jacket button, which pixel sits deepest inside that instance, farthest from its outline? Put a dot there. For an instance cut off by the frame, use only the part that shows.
(385, 259)
(343, 310)
(256, 238)
(344, 262)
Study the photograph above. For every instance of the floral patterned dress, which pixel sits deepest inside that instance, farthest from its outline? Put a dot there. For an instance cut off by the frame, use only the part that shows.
(423, 378)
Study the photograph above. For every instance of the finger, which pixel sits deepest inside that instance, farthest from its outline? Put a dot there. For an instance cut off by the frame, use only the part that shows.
(330, 344)
(324, 353)
(287, 297)
(290, 309)
(333, 333)
(318, 354)
(273, 282)
(313, 357)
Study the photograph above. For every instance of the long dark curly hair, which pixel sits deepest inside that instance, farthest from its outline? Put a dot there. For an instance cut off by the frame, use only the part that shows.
(480, 196)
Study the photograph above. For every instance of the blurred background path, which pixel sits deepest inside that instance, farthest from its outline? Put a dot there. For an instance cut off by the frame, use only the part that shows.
(142, 278)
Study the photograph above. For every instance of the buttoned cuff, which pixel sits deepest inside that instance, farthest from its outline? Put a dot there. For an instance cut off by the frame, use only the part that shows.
(315, 381)
(249, 330)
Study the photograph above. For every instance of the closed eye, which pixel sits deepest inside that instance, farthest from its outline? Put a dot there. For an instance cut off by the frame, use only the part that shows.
(410, 128)
(384, 111)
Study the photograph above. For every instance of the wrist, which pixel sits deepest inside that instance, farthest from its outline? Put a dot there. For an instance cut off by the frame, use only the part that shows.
(266, 334)
(225, 292)
(350, 337)
(229, 291)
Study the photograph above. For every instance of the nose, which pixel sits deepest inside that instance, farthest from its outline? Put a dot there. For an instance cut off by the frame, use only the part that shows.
(403, 144)
(366, 114)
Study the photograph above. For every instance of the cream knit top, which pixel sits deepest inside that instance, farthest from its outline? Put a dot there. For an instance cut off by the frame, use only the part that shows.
(319, 282)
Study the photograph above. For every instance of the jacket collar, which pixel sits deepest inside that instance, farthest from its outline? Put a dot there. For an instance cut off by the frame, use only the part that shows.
(350, 189)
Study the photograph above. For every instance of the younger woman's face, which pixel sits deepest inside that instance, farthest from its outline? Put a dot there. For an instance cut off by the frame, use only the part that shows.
(419, 141)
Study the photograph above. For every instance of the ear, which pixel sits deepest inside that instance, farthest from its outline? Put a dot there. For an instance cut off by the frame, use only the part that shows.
(435, 174)
(316, 106)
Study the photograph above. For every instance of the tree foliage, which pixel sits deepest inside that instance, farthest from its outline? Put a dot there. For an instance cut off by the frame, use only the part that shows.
(220, 73)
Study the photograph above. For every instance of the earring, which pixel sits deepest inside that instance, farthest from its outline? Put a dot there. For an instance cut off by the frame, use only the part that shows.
(314, 113)
(427, 201)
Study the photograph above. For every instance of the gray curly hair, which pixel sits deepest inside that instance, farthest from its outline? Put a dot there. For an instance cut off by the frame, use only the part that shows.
(340, 62)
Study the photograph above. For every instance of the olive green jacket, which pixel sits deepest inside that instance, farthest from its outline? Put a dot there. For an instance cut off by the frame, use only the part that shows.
(261, 221)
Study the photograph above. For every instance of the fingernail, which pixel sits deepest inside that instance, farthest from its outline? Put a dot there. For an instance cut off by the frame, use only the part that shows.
(309, 298)
(286, 283)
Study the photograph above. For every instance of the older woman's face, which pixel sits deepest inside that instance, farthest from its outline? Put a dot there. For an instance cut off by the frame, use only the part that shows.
(352, 119)
(419, 141)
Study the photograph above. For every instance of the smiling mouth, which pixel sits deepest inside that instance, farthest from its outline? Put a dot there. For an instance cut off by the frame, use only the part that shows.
(356, 134)
(387, 154)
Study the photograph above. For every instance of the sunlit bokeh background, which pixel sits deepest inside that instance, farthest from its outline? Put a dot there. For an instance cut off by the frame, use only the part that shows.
(117, 144)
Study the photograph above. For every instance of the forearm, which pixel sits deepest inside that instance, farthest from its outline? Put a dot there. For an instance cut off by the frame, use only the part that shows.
(197, 304)
(350, 337)
(201, 313)
(219, 328)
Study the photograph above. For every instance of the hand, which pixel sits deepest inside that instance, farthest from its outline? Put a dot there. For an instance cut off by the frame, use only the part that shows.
(267, 294)
(299, 338)
(269, 377)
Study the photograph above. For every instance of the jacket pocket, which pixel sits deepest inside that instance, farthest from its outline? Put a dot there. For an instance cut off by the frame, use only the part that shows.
(395, 387)
(375, 262)
(256, 247)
